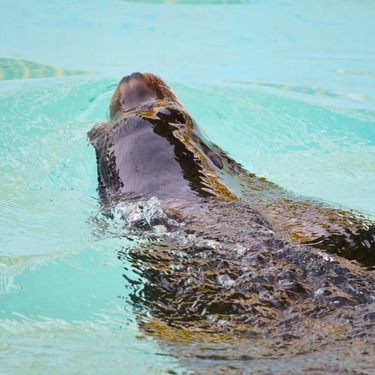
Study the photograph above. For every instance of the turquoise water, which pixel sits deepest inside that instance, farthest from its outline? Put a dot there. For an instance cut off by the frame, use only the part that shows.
(286, 88)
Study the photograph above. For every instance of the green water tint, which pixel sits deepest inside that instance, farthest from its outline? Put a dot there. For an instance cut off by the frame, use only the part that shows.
(69, 312)
(72, 290)
(24, 69)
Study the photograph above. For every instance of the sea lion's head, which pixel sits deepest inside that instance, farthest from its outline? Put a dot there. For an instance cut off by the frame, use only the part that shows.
(137, 90)
(151, 145)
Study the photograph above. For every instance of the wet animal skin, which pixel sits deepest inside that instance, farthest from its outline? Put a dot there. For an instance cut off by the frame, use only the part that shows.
(152, 146)
(226, 257)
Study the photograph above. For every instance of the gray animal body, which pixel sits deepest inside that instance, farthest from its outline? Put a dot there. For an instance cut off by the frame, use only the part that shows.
(237, 254)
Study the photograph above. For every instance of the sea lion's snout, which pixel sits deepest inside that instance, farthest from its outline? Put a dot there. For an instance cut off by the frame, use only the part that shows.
(131, 92)
(138, 89)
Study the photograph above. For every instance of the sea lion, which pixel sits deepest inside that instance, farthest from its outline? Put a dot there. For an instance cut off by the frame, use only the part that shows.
(227, 256)
(152, 146)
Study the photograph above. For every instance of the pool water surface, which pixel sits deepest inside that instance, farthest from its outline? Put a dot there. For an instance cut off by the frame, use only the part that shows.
(286, 88)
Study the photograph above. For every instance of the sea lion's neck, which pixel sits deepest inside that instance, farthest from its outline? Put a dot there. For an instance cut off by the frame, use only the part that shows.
(142, 154)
